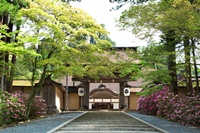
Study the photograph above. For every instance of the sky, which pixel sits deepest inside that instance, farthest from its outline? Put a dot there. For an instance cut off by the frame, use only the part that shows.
(100, 11)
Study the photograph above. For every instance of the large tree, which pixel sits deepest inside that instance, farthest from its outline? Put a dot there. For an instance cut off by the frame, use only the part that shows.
(176, 20)
(182, 18)
(13, 49)
(59, 34)
(8, 11)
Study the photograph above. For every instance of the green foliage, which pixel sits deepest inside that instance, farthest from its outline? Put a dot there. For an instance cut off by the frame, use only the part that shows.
(60, 38)
(141, 20)
(59, 34)
(14, 47)
(10, 8)
(176, 20)
(154, 55)
(179, 16)
(23, 69)
(154, 67)
(128, 68)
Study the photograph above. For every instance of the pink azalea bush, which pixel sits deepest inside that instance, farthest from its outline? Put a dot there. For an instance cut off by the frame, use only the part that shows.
(13, 107)
(185, 111)
(38, 107)
(172, 107)
(147, 105)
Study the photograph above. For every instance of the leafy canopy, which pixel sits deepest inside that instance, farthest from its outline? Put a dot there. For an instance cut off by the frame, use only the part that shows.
(60, 33)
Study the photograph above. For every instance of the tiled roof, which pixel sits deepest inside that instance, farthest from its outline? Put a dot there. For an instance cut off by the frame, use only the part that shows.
(137, 83)
(102, 93)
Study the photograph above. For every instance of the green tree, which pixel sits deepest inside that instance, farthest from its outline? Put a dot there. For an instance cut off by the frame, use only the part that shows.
(154, 67)
(8, 10)
(58, 33)
(184, 16)
(11, 48)
(176, 20)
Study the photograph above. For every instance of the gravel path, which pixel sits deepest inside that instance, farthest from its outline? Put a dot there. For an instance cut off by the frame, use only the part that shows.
(41, 125)
(169, 126)
(46, 124)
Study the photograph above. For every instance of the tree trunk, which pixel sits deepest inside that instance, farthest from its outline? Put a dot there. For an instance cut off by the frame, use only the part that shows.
(38, 86)
(4, 21)
(9, 82)
(9, 78)
(171, 59)
(1, 66)
(35, 92)
(1, 19)
(188, 75)
(195, 66)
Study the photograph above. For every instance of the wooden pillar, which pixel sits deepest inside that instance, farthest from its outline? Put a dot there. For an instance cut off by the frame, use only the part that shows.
(122, 97)
(64, 101)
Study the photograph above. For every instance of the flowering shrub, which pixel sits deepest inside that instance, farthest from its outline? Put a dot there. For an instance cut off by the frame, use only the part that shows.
(164, 102)
(147, 105)
(166, 105)
(192, 110)
(185, 111)
(169, 106)
(13, 107)
(38, 107)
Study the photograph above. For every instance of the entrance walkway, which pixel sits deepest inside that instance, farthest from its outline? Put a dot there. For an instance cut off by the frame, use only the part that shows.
(46, 124)
(107, 122)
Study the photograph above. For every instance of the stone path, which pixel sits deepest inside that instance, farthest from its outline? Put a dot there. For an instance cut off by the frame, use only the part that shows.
(106, 122)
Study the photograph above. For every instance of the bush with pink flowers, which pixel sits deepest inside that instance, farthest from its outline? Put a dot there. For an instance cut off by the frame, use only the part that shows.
(169, 106)
(13, 107)
(38, 107)
(147, 105)
(185, 111)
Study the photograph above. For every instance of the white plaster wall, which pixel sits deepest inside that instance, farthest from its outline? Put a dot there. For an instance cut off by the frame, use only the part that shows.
(115, 105)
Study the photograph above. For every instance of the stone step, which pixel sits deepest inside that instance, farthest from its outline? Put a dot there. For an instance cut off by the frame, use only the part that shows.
(106, 132)
(107, 125)
(105, 122)
(113, 121)
(124, 123)
(107, 129)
